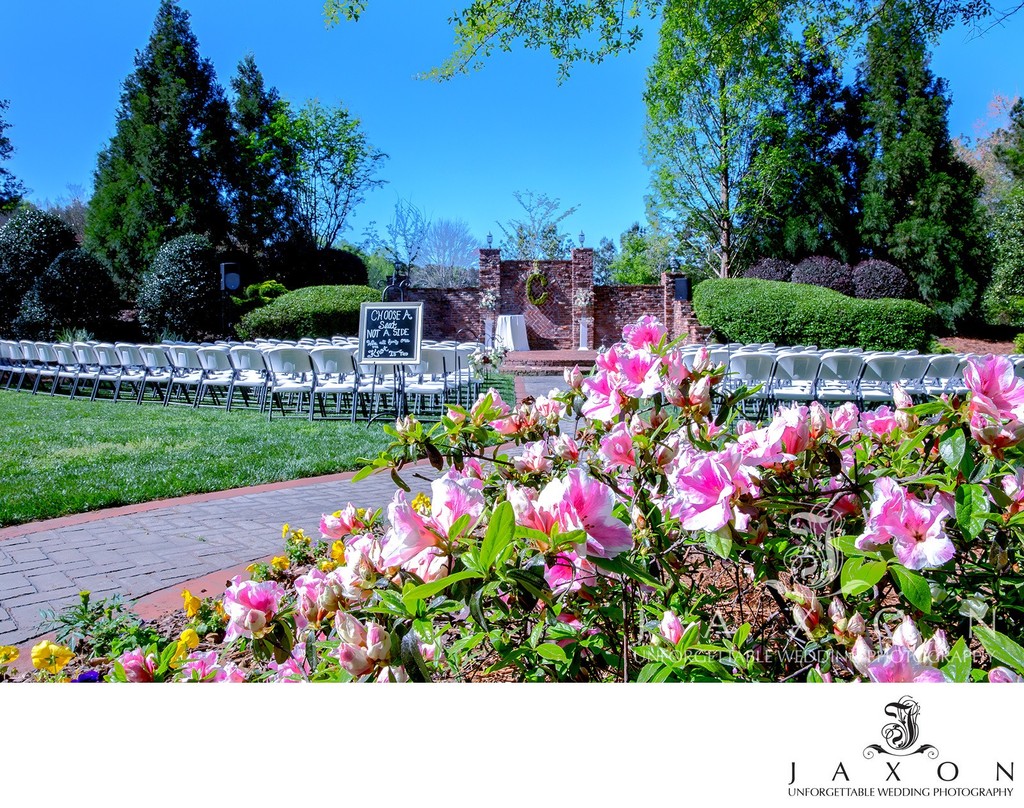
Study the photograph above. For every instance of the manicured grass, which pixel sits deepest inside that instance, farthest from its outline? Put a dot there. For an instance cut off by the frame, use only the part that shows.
(60, 457)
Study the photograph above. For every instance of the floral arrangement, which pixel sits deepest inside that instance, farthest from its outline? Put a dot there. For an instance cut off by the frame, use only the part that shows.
(665, 539)
(489, 300)
(486, 360)
(582, 298)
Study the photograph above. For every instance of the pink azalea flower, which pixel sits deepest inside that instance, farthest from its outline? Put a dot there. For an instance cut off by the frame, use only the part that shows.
(907, 634)
(378, 642)
(453, 496)
(309, 590)
(568, 571)
(349, 629)
(429, 565)
(934, 650)
(408, 535)
(794, 427)
(250, 607)
(1004, 676)
(199, 666)
(573, 378)
(646, 333)
(861, 655)
(899, 665)
(920, 540)
(881, 421)
(846, 419)
(641, 377)
(995, 389)
(534, 459)
(617, 447)
(529, 511)
(999, 433)
(886, 507)
(675, 366)
(586, 503)
(564, 447)
(1013, 487)
(354, 659)
(548, 408)
(820, 420)
(705, 490)
(604, 399)
(295, 668)
(138, 666)
(341, 523)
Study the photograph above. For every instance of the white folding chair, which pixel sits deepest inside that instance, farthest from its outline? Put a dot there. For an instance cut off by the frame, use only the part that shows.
(291, 374)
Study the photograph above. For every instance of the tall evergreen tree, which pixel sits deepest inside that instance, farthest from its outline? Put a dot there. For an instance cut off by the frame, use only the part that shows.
(815, 209)
(163, 173)
(262, 197)
(11, 189)
(1010, 152)
(920, 201)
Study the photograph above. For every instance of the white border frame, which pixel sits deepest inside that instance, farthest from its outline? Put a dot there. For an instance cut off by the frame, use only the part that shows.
(418, 338)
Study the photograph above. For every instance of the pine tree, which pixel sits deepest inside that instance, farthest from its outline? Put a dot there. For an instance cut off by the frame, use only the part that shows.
(163, 173)
(815, 210)
(262, 199)
(11, 189)
(920, 201)
(1010, 153)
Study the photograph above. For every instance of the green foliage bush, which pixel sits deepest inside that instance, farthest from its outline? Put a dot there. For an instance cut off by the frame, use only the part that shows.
(180, 291)
(1018, 343)
(76, 291)
(316, 311)
(751, 310)
(1003, 302)
(28, 244)
(258, 294)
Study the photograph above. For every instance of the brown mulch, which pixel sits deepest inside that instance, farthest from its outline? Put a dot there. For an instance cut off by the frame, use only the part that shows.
(977, 346)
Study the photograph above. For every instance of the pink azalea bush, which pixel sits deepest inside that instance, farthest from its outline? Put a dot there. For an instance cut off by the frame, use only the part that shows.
(665, 537)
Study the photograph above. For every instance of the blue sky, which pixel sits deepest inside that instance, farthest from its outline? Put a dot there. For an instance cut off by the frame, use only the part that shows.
(458, 149)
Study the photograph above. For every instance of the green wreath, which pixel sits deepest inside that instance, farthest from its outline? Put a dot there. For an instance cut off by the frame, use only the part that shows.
(534, 278)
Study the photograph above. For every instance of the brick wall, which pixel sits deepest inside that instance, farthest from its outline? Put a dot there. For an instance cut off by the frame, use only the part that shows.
(450, 313)
(548, 326)
(618, 306)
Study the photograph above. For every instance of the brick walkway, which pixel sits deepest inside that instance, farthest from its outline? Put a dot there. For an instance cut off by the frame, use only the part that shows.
(138, 550)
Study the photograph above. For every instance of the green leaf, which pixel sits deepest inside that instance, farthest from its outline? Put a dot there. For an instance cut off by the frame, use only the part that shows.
(1001, 647)
(363, 473)
(552, 652)
(424, 591)
(399, 481)
(718, 544)
(621, 566)
(971, 509)
(914, 587)
(858, 575)
(958, 664)
(847, 545)
(500, 532)
(952, 446)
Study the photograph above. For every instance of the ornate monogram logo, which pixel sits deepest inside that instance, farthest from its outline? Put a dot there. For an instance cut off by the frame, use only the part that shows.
(901, 734)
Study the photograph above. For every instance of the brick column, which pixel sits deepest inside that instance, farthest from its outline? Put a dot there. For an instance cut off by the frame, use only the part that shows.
(490, 281)
(582, 281)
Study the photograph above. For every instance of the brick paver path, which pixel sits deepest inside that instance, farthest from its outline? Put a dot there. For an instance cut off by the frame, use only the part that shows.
(137, 550)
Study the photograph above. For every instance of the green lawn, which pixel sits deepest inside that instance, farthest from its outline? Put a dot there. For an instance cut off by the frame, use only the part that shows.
(59, 457)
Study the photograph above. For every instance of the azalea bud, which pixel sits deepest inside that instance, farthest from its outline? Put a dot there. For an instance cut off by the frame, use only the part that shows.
(255, 621)
(671, 628)
(819, 420)
(937, 592)
(901, 397)
(1002, 676)
(427, 650)
(974, 608)
(862, 655)
(573, 378)
(836, 610)
(856, 625)
(392, 673)
(933, 650)
(349, 629)
(354, 659)
(702, 360)
(378, 642)
(700, 395)
(907, 634)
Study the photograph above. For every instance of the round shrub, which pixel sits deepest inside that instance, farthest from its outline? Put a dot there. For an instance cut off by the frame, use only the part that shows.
(820, 270)
(770, 269)
(316, 311)
(874, 279)
(76, 291)
(751, 310)
(28, 244)
(181, 290)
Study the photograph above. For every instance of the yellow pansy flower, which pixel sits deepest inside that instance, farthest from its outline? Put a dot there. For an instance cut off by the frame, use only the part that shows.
(192, 603)
(284, 530)
(338, 551)
(8, 654)
(280, 563)
(326, 565)
(50, 657)
(190, 638)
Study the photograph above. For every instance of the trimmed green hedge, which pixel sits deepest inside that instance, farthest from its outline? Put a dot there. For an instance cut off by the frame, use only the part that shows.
(752, 310)
(316, 311)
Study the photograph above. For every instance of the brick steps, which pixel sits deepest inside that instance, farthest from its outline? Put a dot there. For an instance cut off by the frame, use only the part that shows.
(545, 363)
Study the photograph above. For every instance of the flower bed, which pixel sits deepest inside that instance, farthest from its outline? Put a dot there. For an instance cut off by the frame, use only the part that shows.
(666, 540)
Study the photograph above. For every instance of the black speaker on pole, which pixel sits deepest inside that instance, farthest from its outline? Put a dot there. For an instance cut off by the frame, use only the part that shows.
(682, 289)
(230, 277)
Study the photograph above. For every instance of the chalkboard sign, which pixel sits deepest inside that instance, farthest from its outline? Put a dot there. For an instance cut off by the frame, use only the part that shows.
(390, 333)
